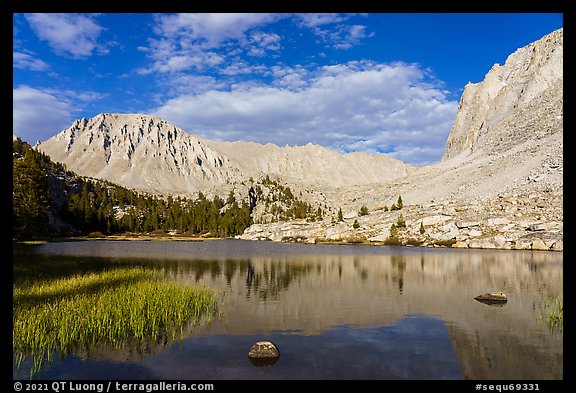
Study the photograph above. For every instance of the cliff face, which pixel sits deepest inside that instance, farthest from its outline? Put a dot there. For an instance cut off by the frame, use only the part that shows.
(517, 101)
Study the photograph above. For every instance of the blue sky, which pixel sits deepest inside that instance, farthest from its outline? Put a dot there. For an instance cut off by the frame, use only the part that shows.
(378, 82)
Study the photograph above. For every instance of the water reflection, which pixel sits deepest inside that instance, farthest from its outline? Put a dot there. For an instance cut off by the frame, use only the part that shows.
(352, 298)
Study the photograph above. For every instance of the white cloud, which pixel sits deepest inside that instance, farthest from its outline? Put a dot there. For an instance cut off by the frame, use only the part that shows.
(38, 115)
(26, 61)
(348, 36)
(343, 36)
(209, 42)
(354, 106)
(262, 43)
(334, 33)
(191, 84)
(200, 41)
(210, 28)
(70, 34)
(68, 95)
(314, 20)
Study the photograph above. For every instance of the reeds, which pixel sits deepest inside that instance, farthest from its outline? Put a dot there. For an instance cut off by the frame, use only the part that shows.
(553, 314)
(113, 307)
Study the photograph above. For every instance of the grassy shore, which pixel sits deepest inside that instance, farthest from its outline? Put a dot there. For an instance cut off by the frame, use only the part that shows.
(116, 307)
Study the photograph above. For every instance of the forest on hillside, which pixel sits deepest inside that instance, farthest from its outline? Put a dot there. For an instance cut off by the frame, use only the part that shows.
(48, 200)
(45, 192)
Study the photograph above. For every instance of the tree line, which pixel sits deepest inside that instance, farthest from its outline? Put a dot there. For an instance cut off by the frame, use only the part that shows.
(42, 188)
(108, 208)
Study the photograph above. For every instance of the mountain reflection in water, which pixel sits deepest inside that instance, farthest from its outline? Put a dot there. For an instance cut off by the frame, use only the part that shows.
(343, 312)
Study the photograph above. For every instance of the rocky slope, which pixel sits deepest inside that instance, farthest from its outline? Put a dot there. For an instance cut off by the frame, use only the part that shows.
(498, 185)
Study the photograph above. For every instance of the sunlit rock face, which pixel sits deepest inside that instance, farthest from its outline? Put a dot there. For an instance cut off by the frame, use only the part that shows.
(514, 102)
(140, 152)
(147, 153)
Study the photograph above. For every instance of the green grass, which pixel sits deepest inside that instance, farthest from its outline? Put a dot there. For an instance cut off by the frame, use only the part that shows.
(553, 314)
(115, 307)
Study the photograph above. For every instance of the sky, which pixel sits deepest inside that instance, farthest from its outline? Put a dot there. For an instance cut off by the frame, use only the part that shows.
(377, 82)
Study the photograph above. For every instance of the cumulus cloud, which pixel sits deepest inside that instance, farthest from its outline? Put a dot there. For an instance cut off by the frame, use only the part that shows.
(75, 35)
(211, 29)
(263, 43)
(391, 108)
(196, 41)
(38, 115)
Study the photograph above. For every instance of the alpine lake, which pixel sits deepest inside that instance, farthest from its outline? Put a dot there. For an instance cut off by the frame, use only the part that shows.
(334, 311)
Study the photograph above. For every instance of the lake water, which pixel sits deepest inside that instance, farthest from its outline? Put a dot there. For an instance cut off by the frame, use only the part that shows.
(336, 312)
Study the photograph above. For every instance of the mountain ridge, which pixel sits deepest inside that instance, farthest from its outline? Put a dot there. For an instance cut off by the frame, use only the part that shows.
(148, 153)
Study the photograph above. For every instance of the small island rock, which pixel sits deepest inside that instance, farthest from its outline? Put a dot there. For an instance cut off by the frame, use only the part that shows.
(263, 353)
(492, 298)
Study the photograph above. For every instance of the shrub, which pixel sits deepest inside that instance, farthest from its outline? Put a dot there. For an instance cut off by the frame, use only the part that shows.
(363, 211)
(445, 243)
(392, 241)
(356, 224)
(413, 242)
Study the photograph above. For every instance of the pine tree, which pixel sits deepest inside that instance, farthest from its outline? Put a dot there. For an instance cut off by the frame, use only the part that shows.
(399, 203)
(30, 201)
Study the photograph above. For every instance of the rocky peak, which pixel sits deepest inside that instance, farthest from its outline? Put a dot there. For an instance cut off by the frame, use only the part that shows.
(491, 112)
(141, 152)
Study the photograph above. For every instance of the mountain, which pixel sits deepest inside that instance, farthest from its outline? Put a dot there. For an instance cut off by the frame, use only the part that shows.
(507, 137)
(518, 101)
(499, 183)
(149, 154)
(140, 152)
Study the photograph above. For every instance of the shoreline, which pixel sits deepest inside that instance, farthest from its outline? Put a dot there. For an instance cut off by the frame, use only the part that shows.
(398, 242)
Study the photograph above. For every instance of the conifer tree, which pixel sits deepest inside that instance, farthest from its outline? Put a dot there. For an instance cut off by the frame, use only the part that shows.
(30, 202)
(399, 203)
